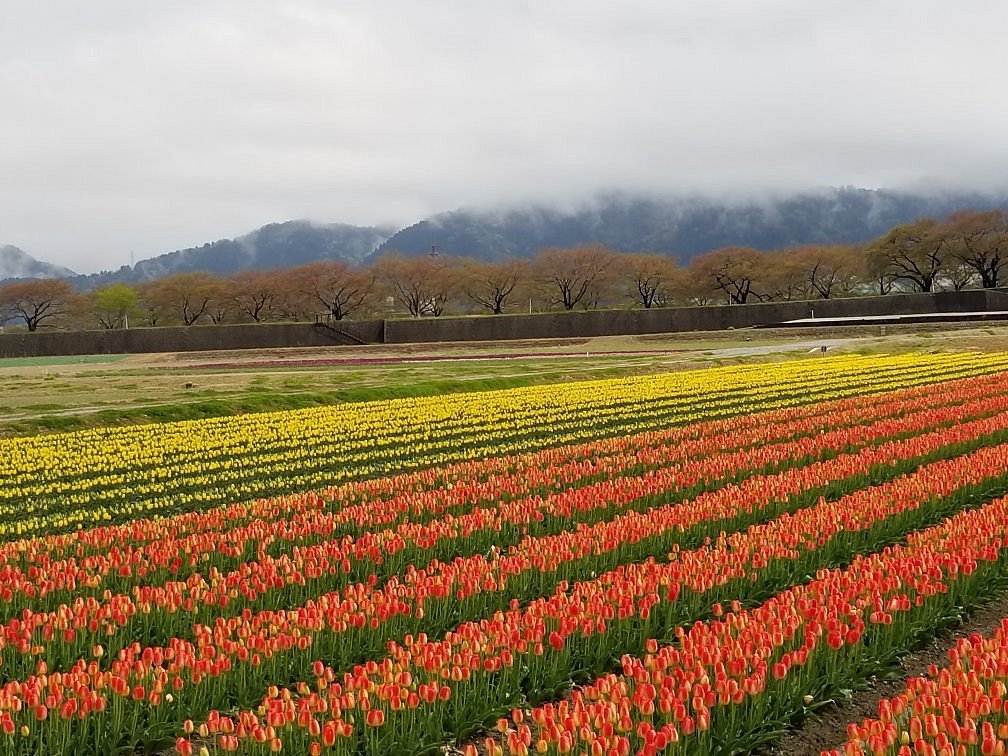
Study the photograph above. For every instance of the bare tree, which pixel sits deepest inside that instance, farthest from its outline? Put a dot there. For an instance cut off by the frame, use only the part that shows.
(187, 295)
(651, 278)
(491, 285)
(732, 270)
(222, 304)
(830, 270)
(423, 285)
(958, 274)
(340, 289)
(255, 293)
(37, 300)
(570, 275)
(914, 252)
(980, 240)
(783, 277)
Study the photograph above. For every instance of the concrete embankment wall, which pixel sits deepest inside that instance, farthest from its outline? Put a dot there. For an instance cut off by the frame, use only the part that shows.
(486, 328)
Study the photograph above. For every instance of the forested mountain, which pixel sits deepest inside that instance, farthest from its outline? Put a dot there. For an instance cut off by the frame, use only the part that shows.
(684, 227)
(278, 245)
(680, 226)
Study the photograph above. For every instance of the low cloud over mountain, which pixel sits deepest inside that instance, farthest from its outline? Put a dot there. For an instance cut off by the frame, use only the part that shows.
(682, 227)
(15, 263)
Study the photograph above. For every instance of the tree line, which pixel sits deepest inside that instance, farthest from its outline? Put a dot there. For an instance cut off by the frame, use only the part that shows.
(964, 250)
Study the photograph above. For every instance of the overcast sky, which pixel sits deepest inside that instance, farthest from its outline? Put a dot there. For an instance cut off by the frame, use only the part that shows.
(144, 126)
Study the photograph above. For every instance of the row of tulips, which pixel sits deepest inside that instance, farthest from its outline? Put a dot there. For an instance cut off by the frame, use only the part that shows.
(227, 454)
(57, 483)
(145, 692)
(426, 691)
(421, 494)
(729, 684)
(142, 572)
(674, 470)
(159, 615)
(227, 537)
(962, 707)
(676, 390)
(389, 500)
(236, 677)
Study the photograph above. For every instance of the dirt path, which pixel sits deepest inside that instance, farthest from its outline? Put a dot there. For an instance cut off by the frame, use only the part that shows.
(829, 730)
(799, 346)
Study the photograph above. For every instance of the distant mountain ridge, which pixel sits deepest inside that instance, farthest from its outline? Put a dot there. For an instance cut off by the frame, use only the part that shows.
(16, 263)
(277, 245)
(681, 226)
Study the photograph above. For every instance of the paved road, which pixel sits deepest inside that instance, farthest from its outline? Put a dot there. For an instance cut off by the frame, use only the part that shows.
(791, 346)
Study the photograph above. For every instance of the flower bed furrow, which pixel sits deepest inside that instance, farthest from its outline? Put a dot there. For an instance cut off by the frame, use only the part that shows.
(634, 608)
(368, 504)
(141, 470)
(45, 585)
(158, 616)
(964, 704)
(733, 683)
(277, 443)
(528, 539)
(482, 669)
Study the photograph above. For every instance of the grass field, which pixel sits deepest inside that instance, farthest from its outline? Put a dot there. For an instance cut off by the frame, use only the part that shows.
(67, 393)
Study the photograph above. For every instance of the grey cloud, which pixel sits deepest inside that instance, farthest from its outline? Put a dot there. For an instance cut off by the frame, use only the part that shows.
(147, 127)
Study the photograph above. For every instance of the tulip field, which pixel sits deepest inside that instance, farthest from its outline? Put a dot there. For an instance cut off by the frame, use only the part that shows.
(685, 563)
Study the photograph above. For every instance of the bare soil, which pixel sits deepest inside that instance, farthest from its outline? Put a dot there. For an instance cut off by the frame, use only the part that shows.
(829, 729)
